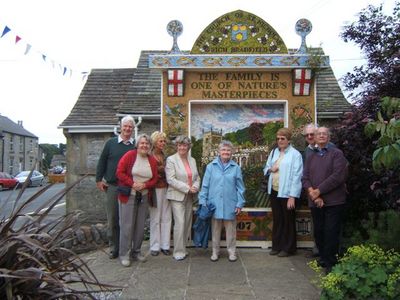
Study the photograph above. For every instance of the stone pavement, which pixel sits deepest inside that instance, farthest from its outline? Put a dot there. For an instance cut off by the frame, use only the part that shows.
(255, 275)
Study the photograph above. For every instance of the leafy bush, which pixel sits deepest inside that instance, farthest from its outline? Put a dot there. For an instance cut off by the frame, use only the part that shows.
(384, 229)
(33, 262)
(364, 272)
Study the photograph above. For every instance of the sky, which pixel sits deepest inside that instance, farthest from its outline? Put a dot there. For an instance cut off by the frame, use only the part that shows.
(69, 38)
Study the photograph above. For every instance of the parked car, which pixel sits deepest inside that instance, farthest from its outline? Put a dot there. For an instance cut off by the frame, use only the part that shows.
(36, 179)
(7, 181)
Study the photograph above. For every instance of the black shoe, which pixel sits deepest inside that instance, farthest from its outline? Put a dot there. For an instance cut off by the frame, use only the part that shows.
(113, 255)
(154, 253)
(273, 252)
(165, 252)
(283, 254)
(321, 263)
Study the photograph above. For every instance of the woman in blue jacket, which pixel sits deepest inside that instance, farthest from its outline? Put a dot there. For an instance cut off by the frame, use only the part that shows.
(285, 166)
(223, 187)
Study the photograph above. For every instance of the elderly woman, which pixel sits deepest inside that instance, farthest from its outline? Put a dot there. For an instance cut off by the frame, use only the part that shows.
(183, 184)
(160, 211)
(224, 188)
(285, 167)
(137, 174)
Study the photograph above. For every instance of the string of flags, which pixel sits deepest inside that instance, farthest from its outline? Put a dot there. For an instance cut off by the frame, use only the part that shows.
(27, 48)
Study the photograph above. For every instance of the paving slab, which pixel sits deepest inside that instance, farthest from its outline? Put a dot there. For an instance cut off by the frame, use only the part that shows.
(255, 275)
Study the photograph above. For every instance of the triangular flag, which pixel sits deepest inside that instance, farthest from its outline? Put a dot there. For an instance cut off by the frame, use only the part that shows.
(5, 31)
(28, 48)
(17, 39)
(84, 75)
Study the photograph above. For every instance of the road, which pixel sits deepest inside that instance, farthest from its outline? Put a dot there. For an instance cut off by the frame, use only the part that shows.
(8, 197)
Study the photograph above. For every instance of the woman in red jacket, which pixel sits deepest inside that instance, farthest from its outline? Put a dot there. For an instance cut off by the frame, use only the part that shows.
(137, 175)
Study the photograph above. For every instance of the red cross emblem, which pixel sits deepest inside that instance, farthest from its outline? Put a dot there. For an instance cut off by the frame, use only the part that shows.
(301, 82)
(175, 83)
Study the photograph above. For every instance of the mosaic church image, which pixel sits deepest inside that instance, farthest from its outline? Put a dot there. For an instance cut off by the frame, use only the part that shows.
(239, 82)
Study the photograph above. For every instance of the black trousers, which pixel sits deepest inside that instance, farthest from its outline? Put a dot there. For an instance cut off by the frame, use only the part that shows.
(327, 229)
(284, 225)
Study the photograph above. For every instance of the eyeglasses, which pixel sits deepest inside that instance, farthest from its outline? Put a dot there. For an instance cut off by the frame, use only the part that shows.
(322, 133)
(308, 134)
(281, 139)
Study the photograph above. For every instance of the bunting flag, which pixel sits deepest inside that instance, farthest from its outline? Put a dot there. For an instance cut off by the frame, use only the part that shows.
(27, 49)
(175, 83)
(301, 82)
(45, 58)
(5, 31)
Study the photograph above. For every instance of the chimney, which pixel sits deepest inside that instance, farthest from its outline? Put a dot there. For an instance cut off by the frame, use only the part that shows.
(20, 123)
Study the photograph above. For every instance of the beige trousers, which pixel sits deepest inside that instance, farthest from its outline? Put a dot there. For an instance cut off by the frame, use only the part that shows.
(182, 213)
(230, 230)
(160, 221)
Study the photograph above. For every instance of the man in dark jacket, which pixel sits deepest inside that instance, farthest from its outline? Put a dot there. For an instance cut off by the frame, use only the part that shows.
(324, 179)
(106, 180)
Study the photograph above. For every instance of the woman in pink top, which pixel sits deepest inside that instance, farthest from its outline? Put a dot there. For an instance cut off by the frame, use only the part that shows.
(183, 185)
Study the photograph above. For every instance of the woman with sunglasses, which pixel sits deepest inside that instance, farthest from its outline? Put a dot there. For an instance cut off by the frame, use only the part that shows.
(285, 166)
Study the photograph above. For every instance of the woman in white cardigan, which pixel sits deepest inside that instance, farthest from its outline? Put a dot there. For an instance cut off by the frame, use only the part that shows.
(183, 185)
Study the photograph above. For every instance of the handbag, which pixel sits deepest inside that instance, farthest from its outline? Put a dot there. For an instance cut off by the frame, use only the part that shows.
(124, 190)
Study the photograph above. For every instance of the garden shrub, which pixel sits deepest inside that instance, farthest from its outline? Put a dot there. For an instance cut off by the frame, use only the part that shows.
(364, 272)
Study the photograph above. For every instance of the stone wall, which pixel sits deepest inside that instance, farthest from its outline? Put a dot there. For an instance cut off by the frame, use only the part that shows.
(83, 151)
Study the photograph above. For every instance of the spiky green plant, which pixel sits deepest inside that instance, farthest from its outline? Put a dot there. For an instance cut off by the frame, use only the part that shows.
(33, 262)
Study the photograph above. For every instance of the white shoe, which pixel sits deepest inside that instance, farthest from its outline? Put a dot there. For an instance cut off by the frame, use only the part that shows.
(232, 257)
(179, 257)
(126, 262)
(214, 257)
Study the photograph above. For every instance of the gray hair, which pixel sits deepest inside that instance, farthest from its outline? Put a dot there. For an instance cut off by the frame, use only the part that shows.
(225, 143)
(310, 125)
(182, 139)
(143, 136)
(327, 130)
(128, 119)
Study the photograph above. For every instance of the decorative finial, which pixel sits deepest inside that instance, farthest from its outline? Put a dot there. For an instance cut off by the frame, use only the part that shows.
(174, 29)
(303, 28)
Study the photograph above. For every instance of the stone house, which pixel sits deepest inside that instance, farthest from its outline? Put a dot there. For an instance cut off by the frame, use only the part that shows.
(19, 148)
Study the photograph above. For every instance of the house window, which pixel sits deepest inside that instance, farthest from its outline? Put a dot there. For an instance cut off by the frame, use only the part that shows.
(31, 144)
(21, 144)
(11, 168)
(11, 142)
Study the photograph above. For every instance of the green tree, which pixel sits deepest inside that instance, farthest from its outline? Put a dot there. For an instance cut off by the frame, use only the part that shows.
(49, 151)
(387, 124)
